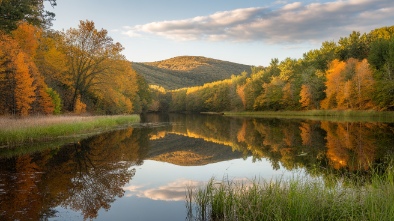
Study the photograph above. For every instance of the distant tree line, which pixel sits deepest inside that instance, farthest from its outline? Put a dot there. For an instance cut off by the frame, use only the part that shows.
(354, 73)
(49, 72)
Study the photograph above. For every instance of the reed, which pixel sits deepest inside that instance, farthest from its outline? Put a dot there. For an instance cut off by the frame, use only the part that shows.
(298, 198)
(18, 131)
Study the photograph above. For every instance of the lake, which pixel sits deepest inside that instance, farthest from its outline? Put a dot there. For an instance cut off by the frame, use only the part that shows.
(142, 172)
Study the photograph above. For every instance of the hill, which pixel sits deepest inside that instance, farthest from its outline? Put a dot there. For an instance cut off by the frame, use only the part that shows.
(187, 71)
(186, 151)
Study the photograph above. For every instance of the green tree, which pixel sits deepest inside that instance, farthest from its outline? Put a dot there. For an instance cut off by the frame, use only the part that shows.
(354, 46)
(56, 100)
(31, 11)
(381, 58)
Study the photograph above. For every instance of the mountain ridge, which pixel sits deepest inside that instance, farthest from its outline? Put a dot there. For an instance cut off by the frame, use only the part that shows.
(187, 71)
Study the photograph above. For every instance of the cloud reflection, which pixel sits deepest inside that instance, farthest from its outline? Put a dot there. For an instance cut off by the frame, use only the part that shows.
(174, 191)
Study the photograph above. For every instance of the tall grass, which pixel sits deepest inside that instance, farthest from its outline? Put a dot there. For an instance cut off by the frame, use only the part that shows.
(358, 115)
(298, 198)
(18, 131)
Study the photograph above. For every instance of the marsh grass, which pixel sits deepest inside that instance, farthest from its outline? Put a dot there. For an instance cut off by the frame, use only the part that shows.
(26, 130)
(298, 198)
(335, 115)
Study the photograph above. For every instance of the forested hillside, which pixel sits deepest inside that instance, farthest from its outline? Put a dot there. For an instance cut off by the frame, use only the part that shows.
(355, 73)
(187, 71)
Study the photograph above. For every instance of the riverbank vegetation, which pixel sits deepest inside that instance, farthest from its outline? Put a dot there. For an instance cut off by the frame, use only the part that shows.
(355, 73)
(333, 115)
(298, 198)
(27, 130)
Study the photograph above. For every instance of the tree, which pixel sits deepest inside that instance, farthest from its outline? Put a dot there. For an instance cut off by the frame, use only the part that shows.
(28, 38)
(31, 11)
(56, 100)
(364, 85)
(271, 99)
(334, 85)
(16, 88)
(89, 53)
(354, 46)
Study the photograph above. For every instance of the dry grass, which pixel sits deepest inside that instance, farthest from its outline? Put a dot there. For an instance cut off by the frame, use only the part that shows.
(15, 131)
(10, 123)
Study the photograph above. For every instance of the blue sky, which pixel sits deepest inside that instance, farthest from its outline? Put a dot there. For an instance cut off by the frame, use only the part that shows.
(248, 32)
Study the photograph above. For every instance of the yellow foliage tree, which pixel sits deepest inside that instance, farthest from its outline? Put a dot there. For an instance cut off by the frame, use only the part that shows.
(306, 96)
(79, 107)
(27, 37)
(334, 84)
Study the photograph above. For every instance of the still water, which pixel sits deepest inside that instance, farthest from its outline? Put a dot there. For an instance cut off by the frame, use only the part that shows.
(142, 172)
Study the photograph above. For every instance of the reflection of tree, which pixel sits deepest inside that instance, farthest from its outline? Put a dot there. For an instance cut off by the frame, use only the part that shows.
(20, 192)
(85, 176)
(313, 145)
(101, 167)
(350, 145)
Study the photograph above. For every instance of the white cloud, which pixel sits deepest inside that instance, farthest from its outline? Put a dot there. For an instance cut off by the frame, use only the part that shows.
(292, 6)
(292, 22)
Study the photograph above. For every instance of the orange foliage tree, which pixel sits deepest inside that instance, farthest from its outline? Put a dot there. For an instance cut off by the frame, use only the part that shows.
(16, 88)
(350, 85)
(23, 90)
(334, 84)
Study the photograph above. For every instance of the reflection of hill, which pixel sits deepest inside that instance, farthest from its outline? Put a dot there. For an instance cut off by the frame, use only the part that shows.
(186, 151)
(292, 143)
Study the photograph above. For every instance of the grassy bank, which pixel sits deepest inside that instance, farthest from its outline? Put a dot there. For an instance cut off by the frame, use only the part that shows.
(18, 131)
(295, 199)
(384, 116)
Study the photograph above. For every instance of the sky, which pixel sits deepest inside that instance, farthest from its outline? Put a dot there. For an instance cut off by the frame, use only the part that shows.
(249, 32)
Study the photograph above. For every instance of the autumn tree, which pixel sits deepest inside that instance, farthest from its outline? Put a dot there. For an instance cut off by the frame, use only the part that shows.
(89, 53)
(16, 88)
(334, 84)
(119, 95)
(28, 38)
(364, 85)
(350, 85)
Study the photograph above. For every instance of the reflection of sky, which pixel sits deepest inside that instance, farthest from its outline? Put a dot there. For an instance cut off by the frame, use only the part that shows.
(158, 189)
(164, 181)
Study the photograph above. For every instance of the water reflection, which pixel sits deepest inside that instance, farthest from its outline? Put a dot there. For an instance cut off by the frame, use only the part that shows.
(294, 144)
(85, 176)
(173, 191)
(90, 175)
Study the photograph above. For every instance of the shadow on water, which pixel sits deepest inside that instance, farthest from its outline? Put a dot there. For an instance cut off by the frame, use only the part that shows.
(88, 175)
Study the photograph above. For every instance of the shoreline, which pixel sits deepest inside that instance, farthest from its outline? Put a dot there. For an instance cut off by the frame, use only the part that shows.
(332, 115)
(16, 132)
